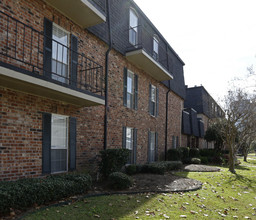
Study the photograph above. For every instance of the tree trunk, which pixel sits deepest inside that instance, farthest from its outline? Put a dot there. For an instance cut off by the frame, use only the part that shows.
(245, 157)
(231, 159)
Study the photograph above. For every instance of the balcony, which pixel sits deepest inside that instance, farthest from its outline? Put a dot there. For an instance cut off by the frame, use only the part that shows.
(141, 54)
(85, 13)
(22, 67)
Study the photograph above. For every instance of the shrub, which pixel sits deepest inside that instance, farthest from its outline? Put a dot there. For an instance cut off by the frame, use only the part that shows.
(160, 167)
(131, 169)
(118, 180)
(171, 165)
(173, 155)
(207, 152)
(187, 161)
(184, 153)
(112, 160)
(195, 160)
(193, 152)
(27, 192)
(204, 160)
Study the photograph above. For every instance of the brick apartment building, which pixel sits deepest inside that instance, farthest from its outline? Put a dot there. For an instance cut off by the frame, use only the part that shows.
(77, 77)
(200, 109)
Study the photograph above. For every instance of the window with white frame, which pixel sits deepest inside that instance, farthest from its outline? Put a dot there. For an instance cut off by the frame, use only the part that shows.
(155, 47)
(129, 138)
(130, 89)
(152, 148)
(133, 29)
(130, 143)
(59, 143)
(153, 100)
(60, 57)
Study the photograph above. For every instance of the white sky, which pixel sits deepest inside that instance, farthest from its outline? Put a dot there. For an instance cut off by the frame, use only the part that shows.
(215, 38)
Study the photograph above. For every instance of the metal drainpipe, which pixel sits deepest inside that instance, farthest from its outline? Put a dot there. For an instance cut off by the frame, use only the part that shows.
(106, 75)
(166, 121)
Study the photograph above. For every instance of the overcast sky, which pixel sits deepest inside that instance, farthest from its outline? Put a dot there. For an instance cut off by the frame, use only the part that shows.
(215, 38)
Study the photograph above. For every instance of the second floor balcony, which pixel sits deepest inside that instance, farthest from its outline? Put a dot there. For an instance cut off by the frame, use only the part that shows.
(48, 64)
(85, 13)
(149, 53)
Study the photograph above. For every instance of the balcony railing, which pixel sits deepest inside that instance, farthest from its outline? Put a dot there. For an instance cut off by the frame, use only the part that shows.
(22, 50)
(141, 38)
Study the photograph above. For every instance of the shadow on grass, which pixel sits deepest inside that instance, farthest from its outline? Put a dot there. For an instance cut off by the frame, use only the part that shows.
(241, 167)
(249, 183)
(145, 190)
(93, 207)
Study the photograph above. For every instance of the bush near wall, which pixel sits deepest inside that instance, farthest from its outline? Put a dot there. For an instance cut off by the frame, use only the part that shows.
(28, 192)
(118, 180)
(112, 160)
(173, 155)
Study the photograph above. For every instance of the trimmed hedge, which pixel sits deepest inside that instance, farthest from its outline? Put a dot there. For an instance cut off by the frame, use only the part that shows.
(204, 160)
(131, 169)
(195, 161)
(160, 167)
(184, 153)
(173, 155)
(112, 160)
(27, 192)
(118, 180)
(193, 152)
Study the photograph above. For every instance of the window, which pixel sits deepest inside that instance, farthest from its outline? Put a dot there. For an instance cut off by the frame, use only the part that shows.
(60, 64)
(130, 89)
(59, 143)
(155, 47)
(133, 29)
(60, 44)
(153, 100)
(152, 150)
(130, 143)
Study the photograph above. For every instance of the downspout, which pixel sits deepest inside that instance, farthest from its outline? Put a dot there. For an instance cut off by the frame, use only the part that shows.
(166, 121)
(106, 75)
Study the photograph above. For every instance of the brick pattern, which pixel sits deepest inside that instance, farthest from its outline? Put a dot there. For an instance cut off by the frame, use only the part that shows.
(21, 114)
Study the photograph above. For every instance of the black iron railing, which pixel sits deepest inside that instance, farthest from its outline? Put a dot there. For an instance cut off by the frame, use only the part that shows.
(141, 38)
(22, 48)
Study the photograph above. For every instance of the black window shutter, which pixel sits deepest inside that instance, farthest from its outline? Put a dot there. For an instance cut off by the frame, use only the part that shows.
(157, 101)
(135, 91)
(125, 87)
(72, 143)
(74, 60)
(46, 148)
(124, 138)
(156, 153)
(150, 102)
(149, 140)
(47, 47)
(134, 145)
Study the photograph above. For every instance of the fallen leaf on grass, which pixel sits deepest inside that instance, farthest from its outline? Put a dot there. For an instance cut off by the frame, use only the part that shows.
(166, 216)
(96, 216)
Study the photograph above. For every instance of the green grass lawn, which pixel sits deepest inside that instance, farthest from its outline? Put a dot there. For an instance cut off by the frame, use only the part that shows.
(223, 196)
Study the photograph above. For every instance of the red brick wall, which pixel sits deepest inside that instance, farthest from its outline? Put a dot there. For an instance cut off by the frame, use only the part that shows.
(120, 116)
(21, 114)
